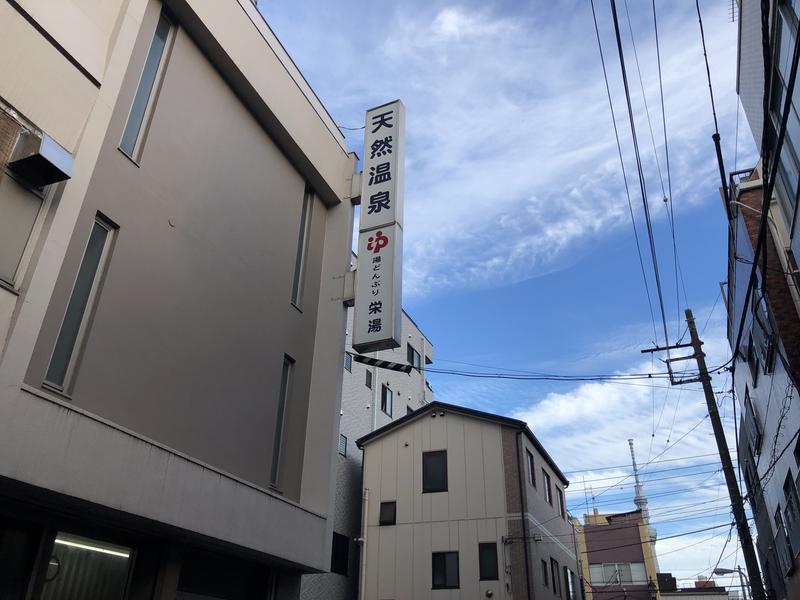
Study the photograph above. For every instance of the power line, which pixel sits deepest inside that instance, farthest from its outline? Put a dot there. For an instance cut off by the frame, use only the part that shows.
(652, 462)
(624, 175)
(640, 171)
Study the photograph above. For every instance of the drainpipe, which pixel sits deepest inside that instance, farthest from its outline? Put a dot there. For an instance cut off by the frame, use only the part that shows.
(363, 542)
(523, 514)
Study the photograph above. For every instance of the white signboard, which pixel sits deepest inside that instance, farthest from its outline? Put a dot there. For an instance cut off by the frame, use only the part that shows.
(378, 303)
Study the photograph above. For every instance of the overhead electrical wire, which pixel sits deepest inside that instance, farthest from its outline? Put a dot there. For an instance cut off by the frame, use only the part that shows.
(624, 175)
(640, 172)
(652, 462)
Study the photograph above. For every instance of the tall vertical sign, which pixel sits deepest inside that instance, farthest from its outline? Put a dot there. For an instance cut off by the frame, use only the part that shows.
(378, 304)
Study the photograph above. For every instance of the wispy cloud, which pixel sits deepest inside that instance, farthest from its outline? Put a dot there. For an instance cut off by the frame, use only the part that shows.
(512, 169)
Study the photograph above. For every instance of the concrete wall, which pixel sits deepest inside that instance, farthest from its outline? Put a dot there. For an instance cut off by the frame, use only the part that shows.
(473, 509)
(172, 409)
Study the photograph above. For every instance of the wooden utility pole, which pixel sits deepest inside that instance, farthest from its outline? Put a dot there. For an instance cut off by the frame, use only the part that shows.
(745, 539)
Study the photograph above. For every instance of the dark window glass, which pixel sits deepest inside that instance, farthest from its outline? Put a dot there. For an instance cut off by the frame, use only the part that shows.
(18, 545)
(302, 251)
(386, 400)
(531, 468)
(348, 361)
(561, 510)
(146, 83)
(556, 576)
(548, 490)
(339, 554)
(85, 569)
(434, 471)
(388, 513)
(487, 561)
(413, 356)
(283, 397)
(545, 576)
(342, 444)
(368, 380)
(445, 570)
(76, 309)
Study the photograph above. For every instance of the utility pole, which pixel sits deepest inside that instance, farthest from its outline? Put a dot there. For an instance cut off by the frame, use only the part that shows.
(745, 539)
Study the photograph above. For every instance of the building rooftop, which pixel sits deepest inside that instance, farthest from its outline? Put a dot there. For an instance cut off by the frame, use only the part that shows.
(470, 412)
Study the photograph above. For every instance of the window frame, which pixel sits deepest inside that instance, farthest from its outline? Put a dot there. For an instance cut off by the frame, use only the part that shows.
(562, 509)
(385, 518)
(45, 195)
(493, 575)
(445, 555)
(343, 545)
(548, 487)
(386, 399)
(531, 464)
(134, 153)
(545, 573)
(368, 379)
(342, 447)
(303, 242)
(413, 357)
(428, 488)
(284, 393)
(66, 386)
(555, 576)
(348, 362)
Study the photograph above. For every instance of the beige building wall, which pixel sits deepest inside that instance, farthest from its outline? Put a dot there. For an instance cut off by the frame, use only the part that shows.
(471, 511)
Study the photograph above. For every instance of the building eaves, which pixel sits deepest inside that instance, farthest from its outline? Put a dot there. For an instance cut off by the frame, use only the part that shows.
(469, 412)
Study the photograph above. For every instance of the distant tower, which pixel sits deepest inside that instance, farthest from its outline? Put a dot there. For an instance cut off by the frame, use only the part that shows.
(640, 500)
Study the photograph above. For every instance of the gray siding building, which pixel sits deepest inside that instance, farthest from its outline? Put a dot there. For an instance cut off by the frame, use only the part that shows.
(464, 504)
(175, 224)
(371, 398)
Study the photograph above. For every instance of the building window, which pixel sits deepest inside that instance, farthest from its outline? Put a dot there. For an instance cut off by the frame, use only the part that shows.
(86, 568)
(487, 561)
(545, 575)
(556, 576)
(386, 399)
(561, 509)
(302, 247)
(81, 302)
(348, 361)
(368, 380)
(20, 208)
(445, 570)
(434, 471)
(388, 514)
(342, 444)
(615, 573)
(531, 468)
(340, 554)
(283, 398)
(143, 99)
(548, 490)
(569, 584)
(413, 357)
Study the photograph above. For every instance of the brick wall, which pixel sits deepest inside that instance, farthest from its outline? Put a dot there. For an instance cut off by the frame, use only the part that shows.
(778, 295)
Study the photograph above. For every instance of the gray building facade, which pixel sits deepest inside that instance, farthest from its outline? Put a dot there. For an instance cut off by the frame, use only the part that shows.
(175, 226)
(371, 398)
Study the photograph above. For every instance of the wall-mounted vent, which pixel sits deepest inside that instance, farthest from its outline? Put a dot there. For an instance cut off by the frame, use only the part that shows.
(40, 161)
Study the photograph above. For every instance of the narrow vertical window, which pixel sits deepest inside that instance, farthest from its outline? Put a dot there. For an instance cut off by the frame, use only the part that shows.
(19, 211)
(386, 400)
(531, 468)
(368, 381)
(340, 554)
(142, 99)
(548, 490)
(561, 508)
(348, 361)
(556, 576)
(487, 561)
(302, 247)
(544, 573)
(286, 382)
(80, 302)
(342, 444)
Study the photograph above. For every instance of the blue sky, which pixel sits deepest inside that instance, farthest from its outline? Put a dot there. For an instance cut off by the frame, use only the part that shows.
(519, 250)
